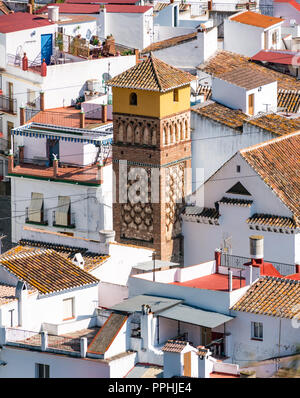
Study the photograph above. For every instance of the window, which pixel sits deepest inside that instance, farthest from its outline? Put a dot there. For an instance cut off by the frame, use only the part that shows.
(238, 169)
(36, 208)
(68, 308)
(42, 371)
(175, 95)
(11, 318)
(274, 37)
(133, 99)
(30, 97)
(63, 212)
(257, 330)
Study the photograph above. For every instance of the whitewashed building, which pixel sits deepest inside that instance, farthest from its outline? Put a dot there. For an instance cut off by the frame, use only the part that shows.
(246, 195)
(265, 33)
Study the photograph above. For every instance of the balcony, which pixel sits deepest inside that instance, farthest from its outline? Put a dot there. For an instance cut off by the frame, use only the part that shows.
(67, 221)
(8, 104)
(40, 215)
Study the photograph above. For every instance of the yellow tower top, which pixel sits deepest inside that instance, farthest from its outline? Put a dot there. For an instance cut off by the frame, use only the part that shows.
(151, 88)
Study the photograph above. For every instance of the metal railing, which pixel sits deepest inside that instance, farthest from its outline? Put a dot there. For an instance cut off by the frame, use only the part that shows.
(16, 60)
(8, 104)
(70, 223)
(232, 261)
(29, 113)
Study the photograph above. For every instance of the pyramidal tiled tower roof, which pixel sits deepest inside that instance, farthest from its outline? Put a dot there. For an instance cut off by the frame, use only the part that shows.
(152, 74)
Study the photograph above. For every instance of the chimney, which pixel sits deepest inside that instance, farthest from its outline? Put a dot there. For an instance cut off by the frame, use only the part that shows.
(217, 259)
(257, 249)
(10, 162)
(42, 100)
(146, 327)
(209, 5)
(104, 113)
(21, 295)
(53, 13)
(44, 341)
(55, 167)
(137, 55)
(82, 119)
(78, 260)
(106, 236)
(22, 115)
(25, 62)
(44, 68)
(83, 347)
(230, 281)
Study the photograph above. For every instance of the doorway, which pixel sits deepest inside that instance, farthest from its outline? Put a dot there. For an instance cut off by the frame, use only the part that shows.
(46, 48)
(251, 104)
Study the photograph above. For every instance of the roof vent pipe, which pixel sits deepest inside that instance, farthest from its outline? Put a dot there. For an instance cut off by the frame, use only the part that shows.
(53, 13)
(257, 248)
(230, 280)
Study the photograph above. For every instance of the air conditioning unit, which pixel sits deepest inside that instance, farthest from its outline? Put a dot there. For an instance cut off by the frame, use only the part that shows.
(93, 85)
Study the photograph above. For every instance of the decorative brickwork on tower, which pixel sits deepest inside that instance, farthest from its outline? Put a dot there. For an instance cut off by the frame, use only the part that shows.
(151, 155)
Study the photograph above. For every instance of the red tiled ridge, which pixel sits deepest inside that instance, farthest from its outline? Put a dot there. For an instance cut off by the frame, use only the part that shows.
(277, 163)
(152, 74)
(271, 296)
(21, 21)
(255, 19)
(127, 9)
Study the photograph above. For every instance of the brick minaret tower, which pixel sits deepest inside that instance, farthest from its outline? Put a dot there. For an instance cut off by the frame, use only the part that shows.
(151, 117)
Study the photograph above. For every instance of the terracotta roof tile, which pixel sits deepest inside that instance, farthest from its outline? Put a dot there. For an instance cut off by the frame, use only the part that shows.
(7, 294)
(220, 113)
(152, 74)
(236, 202)
(198, 211)
(277, 163)
(91, 260)
(271, 220)
(173, 41)
(204, 90)
(46, 270)
(271, 296)
(289, 100)
(247, 78)
(174, 346)
(225, 61)
(255, 19)
(276, 123)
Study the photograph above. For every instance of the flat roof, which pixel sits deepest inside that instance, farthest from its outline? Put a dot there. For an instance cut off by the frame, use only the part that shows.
(213, 282)
(148, 265)
(196, 316)
(156, 303)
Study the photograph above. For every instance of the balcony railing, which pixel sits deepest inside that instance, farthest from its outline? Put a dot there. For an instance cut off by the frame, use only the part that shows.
(70, 221)
(16, 60)
(42, 217)
(8, 104)
(231, 261)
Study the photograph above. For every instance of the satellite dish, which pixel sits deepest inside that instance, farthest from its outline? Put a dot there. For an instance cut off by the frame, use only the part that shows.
(88, 34)
(106, 77)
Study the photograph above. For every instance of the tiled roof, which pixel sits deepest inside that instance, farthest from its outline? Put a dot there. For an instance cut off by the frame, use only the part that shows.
(271, 296)
(289, 100)
(91, 260)
(277, 163)
(202, 351)
(160, 6)
(236, 202)
(204, 90)
(255, 19)
(107, 334)
(46, 270)
(101, 1)
(152, 74)
(219, 113)
(7, 294)
(21, 21)
(201, 212)
(173, 41)
(284, 57)
(269, 219)
(247, 78)
(127, 9)
(174, 346)
(277, 124)
(225, 61)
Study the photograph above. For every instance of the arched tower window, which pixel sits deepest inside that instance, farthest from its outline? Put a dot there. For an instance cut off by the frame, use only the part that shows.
(133, 99)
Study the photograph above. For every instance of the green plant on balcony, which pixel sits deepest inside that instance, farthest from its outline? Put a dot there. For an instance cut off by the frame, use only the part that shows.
(59, 41)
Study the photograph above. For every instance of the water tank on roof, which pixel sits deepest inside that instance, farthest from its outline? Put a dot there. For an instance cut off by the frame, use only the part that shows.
(93, 85)
(257, 246)
(53, 13)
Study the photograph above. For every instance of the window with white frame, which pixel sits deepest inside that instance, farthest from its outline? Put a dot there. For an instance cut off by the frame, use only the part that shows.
(68, 308)
(42, 371)
(257, 330)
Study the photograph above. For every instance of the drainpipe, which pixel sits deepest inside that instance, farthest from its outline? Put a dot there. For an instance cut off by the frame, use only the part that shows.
(55, 168)
(104, 113)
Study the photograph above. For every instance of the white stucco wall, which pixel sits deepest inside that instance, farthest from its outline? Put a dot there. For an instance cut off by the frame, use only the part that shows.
(86, 28)
(91, 206)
